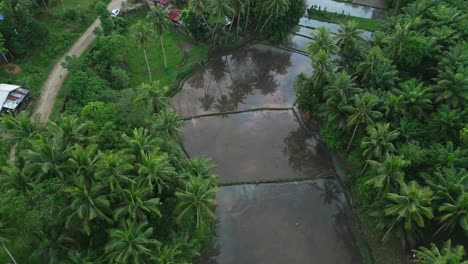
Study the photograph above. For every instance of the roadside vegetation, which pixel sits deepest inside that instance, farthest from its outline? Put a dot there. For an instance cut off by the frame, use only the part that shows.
(396, 105)
(36, 34)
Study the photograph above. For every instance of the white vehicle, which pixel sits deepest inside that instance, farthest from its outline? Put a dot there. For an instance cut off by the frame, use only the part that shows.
(115, 12)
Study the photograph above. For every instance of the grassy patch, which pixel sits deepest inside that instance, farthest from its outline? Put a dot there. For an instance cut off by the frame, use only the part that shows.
(388, 252)
(363, 23)
(37, 64)
(137, 69)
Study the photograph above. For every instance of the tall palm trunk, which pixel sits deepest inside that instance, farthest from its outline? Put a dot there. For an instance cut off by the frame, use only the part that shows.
(266, 22)
(204, 20)
(352, 137)
(247, 18)
(232, 20)
(8, 252)
(147, 65)
(237, 27)
(198, 218)
(214, 30)
(45, 5)
(164, 53)
(260, 18)
(3, 54)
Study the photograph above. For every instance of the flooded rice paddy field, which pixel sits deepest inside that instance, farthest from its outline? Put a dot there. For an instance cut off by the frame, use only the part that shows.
(257, 146)
(253, 77)
(348, 9)
(295, 222)
(298, 221)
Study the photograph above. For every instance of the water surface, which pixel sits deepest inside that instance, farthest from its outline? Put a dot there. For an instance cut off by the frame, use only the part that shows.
(252, 77)
(283, 223)
(349, 9)
(255, 146)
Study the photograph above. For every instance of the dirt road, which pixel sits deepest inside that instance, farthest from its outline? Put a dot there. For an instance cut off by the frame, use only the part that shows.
(58, 74)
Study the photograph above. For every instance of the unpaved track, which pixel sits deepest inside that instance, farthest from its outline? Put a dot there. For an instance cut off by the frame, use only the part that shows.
(58, 74)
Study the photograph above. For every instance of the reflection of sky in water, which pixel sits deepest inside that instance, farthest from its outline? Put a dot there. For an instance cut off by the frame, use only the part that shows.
(257, 76)
(303, 222)
(348, 9)
(261, 145)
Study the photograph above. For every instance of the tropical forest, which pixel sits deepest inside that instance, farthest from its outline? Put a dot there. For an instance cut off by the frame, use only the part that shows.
(234, 131)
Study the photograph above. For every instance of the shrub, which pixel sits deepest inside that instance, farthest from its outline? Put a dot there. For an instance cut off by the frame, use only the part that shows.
(333, 137)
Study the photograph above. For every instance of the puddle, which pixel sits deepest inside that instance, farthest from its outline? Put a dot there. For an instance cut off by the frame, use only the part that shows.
(252, 77)
(301, 222)
(349, 9)
(256, 146)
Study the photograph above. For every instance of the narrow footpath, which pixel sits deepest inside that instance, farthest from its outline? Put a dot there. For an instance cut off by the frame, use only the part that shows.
(54, 81)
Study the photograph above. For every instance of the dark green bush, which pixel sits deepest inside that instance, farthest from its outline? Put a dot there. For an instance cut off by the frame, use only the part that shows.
(333, 137)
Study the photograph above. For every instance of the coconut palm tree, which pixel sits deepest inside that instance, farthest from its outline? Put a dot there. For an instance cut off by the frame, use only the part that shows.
(447, 121)
(348, 36)
(372, 58)
(158, 18)
(452, 87)
(155, 171)
(454, 211)
(200, 168)
(447, 255)
(153, 95)
(143, 35)
(82, 161)
(219, 9)
(416, 98)
(452, 197)
(412, 205)
(275, 8)
(45, 158)
(167, 124)
(5, 233)
(70, 129)
(53, 243)
(362, 112)
(139, 141)
(388, 173)
(114, 169)
(399, 37)
(323, 71)
(247, 3)
(131, 243)
(137, 204)
(88, 203)
(16, 130)
(196, 200)
(341, 89)
(12, 177)
(322, 41)
(198, 7)
(239, 8)
(378, 142)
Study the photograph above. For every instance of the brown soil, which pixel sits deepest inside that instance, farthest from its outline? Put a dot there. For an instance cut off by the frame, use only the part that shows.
(12, 68)
(185, 46)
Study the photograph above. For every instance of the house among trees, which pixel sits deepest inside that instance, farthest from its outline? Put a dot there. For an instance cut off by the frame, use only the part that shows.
(11, 96)
(174, 15)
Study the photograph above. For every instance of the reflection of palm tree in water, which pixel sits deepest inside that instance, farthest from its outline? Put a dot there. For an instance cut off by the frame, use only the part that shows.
(247, 69)
(306, 156)
(207, 101)
(197, 80)
(330, 193)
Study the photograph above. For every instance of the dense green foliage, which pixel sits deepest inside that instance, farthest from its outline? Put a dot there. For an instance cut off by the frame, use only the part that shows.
(400, 101)
(74, 192)
(108, 181)
(219, 22)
